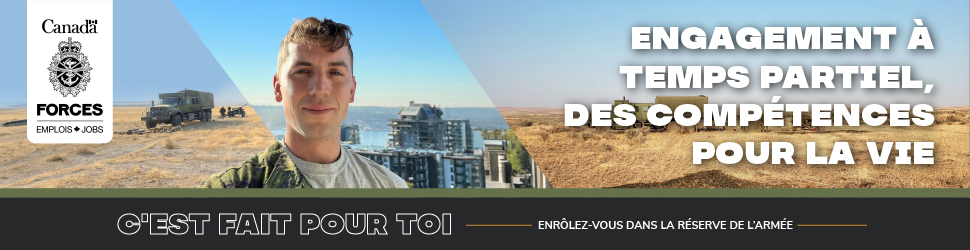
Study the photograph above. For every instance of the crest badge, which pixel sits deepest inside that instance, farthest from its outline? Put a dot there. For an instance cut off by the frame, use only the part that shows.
(70, 71)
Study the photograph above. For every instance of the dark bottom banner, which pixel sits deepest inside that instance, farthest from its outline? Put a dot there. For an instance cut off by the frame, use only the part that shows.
(496, 223)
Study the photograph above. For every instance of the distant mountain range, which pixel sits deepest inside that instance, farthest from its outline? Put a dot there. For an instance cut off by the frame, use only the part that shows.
(375, 118)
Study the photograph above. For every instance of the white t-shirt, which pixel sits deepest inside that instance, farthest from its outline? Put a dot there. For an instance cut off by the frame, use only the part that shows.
(349, 171)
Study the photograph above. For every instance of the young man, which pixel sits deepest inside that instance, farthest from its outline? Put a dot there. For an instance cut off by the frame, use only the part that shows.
(314, 80)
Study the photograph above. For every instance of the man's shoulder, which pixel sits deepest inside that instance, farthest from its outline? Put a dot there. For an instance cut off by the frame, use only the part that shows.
(254, 173)
(387, 177)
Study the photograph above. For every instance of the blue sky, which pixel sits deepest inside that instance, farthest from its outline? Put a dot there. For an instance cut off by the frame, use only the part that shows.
(549, 53)
(155, 51)
(399, 52)
(13, 53)
(524, 53)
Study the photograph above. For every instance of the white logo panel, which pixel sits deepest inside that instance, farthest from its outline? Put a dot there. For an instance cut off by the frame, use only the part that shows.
(70, 71)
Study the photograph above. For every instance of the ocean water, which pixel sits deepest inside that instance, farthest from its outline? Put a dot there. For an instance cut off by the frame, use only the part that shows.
(378, 138)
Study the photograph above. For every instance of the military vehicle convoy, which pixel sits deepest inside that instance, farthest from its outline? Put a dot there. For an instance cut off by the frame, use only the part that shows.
(178, 107)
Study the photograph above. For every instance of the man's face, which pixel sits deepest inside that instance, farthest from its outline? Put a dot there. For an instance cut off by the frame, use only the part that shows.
(315, 86)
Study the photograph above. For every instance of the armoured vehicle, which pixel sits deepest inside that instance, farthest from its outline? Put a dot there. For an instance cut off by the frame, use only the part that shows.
(178, 107)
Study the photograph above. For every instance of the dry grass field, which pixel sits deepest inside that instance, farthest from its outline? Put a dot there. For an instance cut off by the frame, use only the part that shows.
(182, 159)
(582, 157)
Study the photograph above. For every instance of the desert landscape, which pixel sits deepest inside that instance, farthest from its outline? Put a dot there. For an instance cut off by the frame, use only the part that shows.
(180, 159)
(584, 157)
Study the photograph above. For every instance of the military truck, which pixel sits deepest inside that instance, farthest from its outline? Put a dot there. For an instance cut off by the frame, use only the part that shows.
(640, 111)
(675, 101)
(178, 107)
(614, 116)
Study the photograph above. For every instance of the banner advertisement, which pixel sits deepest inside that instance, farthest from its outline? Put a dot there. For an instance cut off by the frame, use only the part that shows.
(484, 124)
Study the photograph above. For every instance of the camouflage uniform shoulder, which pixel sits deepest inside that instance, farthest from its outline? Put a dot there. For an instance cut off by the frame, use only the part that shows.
(270, 169)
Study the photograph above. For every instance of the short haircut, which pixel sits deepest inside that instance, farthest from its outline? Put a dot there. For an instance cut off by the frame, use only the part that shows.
(311, 31)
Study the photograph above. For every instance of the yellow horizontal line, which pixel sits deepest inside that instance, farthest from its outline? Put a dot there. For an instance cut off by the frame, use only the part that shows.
(833, 225)
(498, 225)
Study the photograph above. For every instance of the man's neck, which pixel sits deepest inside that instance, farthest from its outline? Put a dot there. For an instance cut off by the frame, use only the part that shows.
(323, 151)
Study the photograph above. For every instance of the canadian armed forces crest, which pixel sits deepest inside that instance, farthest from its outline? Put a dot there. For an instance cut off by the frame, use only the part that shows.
(70, 71)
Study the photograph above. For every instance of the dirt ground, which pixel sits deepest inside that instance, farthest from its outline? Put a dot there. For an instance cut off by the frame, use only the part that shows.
(582, 157)
(182, 159)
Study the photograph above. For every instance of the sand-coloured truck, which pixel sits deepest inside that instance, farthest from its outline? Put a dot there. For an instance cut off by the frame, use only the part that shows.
(672, 102)
(178, 107)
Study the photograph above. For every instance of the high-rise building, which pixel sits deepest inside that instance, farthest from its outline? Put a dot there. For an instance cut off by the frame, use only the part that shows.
(420, 169)
(457, 135)
(497, 169)
(461, 171)
(350, 134)
(420, 126)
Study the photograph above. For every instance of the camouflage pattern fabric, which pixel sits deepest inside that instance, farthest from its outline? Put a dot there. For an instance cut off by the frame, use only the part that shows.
(270, 169)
